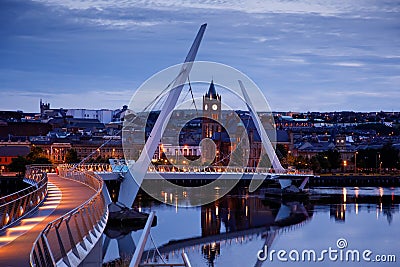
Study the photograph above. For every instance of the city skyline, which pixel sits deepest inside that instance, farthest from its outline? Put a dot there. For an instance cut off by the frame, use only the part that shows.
(304, 56)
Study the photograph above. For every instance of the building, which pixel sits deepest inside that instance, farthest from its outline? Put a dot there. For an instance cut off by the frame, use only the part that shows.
(22, 130)
(11, 150)
(211, 112)
(211, 122)
(103, 115)
(85, 126)
(177, 154)
(46, 112)
(113, 149)
(283, 122)
(231, 147)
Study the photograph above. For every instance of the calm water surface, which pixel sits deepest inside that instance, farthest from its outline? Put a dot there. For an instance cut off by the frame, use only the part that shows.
(232, 230)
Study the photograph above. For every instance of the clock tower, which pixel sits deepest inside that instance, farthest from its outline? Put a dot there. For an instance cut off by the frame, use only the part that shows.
(211, 112)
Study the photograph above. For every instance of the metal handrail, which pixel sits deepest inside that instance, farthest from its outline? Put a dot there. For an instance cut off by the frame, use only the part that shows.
(137, 256)
(80, 226)
(186, 259)
(88, 167)
(18, 205)
(192, 169)
(34, 175)
(219, 169)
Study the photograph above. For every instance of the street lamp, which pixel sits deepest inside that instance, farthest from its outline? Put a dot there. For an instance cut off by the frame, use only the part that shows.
(379, 160)
(355, 162)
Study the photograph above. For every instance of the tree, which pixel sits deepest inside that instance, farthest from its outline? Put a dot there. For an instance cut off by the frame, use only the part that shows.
(323, 161)
(281, 151)
(71, 156)
(367, 158)
(18, 165)
(37, 156)
(334, 158)
(301, 163)
(389, 156)
(41, 160)
(315, 164)
(329, 160)
(290, 160)
(36, 152)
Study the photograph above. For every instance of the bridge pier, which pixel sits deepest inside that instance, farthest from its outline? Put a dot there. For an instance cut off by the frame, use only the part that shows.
(94, 258)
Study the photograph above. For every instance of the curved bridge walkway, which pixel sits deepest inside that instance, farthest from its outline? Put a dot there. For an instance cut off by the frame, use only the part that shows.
(64, 195)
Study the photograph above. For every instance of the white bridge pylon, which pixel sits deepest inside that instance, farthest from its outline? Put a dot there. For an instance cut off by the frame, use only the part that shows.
(130, 185)
(266, 142)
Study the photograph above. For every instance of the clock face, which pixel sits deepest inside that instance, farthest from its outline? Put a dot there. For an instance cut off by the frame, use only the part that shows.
(214, 107)
(205, 106)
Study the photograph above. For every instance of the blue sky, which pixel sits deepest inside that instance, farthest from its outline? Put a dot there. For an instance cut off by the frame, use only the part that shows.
(305, 55)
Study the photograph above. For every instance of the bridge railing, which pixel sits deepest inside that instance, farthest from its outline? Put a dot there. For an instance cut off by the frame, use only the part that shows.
(48, 168)
(206, 169)
(219, 169)
(15, 206)
(71, 237)
(93, 167)
(103, 167)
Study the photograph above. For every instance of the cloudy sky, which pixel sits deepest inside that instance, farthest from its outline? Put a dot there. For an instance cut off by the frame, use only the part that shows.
(317, 55)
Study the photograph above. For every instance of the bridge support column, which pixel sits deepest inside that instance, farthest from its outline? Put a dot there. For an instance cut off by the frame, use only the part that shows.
(95, 257)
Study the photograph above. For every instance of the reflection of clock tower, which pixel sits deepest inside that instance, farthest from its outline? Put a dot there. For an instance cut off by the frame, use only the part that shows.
(211, 112)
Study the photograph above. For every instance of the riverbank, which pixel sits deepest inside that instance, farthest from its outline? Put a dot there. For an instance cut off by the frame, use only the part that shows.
(355, 180)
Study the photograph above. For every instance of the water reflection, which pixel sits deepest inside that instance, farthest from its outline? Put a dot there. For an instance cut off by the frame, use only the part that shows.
(383, 201)
(211, 252)
(230, 231)
(234, 219)
(242, 218)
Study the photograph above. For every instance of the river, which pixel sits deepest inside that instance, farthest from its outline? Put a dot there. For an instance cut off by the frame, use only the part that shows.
(330, 227)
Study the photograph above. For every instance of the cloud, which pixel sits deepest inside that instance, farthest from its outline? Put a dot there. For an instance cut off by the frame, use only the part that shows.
(348, 64)
(260, 39)
(297, 60)
(123, 24)
(296, 51)
(326, 7)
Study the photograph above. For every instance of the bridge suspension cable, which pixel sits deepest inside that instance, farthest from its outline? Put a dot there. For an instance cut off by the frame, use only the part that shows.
(162, 93)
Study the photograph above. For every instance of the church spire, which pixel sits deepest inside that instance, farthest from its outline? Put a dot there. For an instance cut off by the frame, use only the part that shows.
(212, 93)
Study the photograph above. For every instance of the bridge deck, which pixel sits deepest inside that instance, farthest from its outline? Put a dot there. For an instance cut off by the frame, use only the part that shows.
(16, 242)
